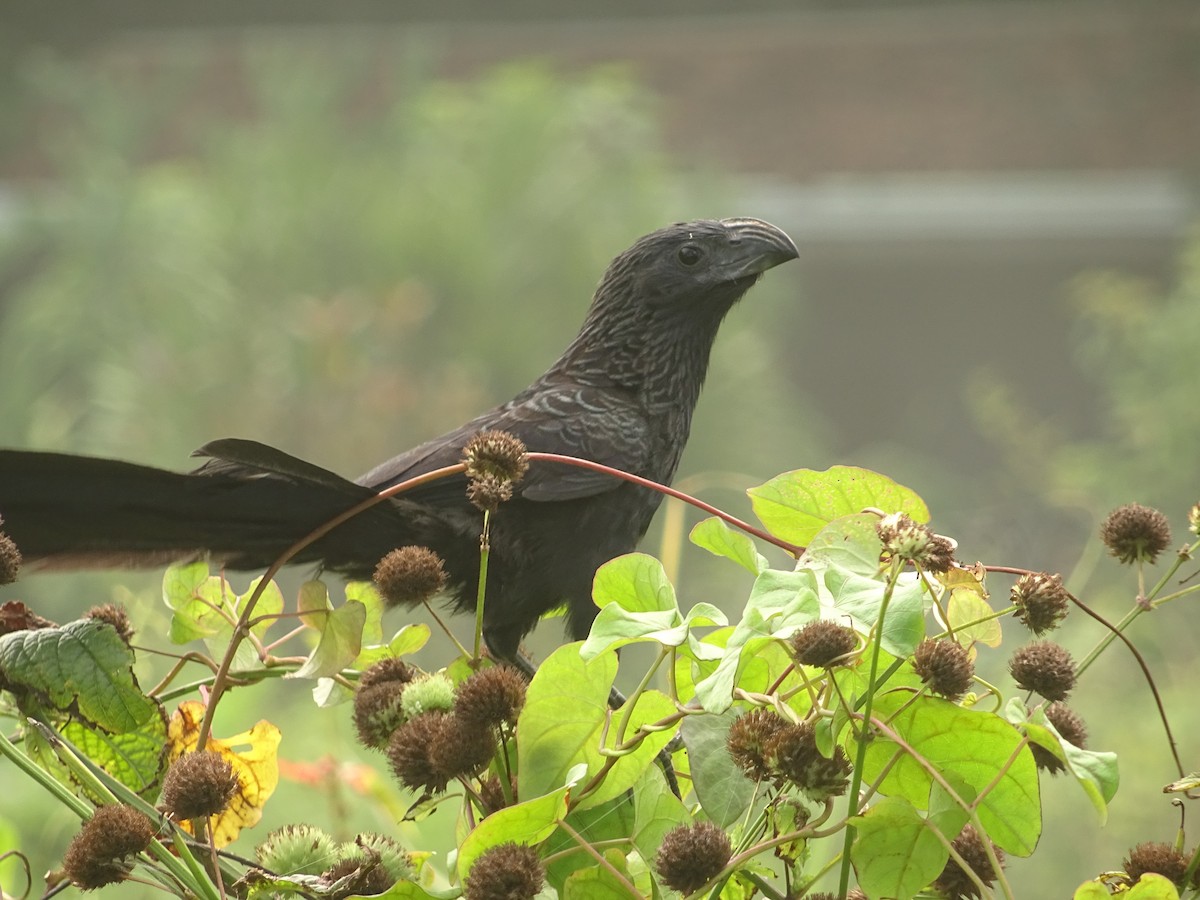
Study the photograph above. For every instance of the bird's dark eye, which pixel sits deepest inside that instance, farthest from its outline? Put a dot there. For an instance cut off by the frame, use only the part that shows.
(690, 254)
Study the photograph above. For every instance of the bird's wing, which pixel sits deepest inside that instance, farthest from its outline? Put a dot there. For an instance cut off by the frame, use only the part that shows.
(597, 424)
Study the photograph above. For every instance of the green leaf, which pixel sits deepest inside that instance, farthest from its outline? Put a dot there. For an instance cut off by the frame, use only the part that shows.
(565, 706)
(651, 707)
(656, 811)
(409, 639)
(340, 644)
(1094, 771)
(598, 882)
(945, 813)
(977, 748)
(137, 758)
(206, 608)
(530, 822)
(1091, 890)
(1152, 886)
(312, 601)
(796, 505)
(779, 603)
(83, 666)
(201, 603)
(720, 539)
(638, 604)
(723, 790)
(616, 626)
(862, 598)
(563, 722)
(850, 542)
(612, 821)
(364, 592)
(895, 854)
(636, 581)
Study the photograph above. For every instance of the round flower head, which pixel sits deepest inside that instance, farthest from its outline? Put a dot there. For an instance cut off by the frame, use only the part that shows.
(690, 855)
(1135, 533)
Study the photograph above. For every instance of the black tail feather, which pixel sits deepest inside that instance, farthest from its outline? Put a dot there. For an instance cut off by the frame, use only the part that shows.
(242, 508)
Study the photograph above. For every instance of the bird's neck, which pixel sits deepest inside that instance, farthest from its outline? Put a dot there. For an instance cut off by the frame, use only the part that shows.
(659, 356)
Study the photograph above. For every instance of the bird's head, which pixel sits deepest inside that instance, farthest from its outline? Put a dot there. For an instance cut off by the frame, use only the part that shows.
(694, 266)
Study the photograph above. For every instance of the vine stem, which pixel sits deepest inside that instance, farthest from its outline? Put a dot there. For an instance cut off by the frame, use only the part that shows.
(1117, 632)
(485, 552)
(241, 629)
(861, 755)
(599, 857)
(970, 808)
(221, 680)
(631, 702)
(793, 549)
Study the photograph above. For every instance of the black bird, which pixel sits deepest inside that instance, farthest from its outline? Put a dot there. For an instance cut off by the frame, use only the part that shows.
(622, 393)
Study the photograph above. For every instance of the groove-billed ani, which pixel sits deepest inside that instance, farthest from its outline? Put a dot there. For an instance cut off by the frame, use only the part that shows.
(622, 393)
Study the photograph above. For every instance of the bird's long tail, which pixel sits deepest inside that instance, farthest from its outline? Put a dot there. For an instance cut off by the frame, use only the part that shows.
(245, 506)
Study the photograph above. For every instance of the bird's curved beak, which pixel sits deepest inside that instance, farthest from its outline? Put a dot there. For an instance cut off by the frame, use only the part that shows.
(755, 246)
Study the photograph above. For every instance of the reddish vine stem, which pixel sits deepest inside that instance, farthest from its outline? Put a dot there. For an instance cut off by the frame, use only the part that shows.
(222, 677)
(793, 549)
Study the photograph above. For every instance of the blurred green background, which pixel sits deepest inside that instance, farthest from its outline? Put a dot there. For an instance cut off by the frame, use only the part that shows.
(345, 232)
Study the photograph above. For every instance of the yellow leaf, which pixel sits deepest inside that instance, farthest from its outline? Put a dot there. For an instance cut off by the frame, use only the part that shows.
(256, 767)
(972, 619)
(969, 578)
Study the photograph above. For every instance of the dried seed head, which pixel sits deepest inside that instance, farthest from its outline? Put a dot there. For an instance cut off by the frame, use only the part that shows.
(487, 492)
(749, 737)
(1194, 520)
(296, 850)
(409, 576)
(377, 702)
(363, 873)
(490, 697)
(198, 785)
(1070, 728)
(823, 644)
(408, 753)
(908, 540)
(954, 882)
(461, 750)
(793, 755)
(491, 792)
(1162, 859)
(944, 666)
(116, 616)
(16, 616)
(1045, 668)
(392, 669)
(495, 454)
(103, 852)
(1041, 601)
(10, 559)
(1135, 533)
(690, 855)
(378, 712)
(505, 872)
